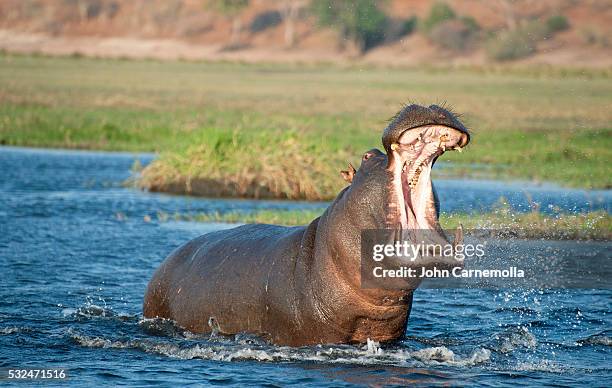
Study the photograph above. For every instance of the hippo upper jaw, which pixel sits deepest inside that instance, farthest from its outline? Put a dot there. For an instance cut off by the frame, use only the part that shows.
(412, 158)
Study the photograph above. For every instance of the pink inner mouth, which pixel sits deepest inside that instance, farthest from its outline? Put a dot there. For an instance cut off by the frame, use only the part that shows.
(416, 151)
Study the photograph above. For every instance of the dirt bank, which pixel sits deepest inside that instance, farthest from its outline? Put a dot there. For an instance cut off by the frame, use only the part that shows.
(192, 30)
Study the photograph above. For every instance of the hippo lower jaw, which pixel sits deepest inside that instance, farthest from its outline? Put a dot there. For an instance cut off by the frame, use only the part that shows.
(414, 154)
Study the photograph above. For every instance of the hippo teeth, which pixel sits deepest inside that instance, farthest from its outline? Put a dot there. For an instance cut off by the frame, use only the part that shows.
(417, 173)
(458, 236)
(415, 178)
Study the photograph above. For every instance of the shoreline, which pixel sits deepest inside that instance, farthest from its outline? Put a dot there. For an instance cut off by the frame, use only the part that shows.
(446, 170)
(591, 226)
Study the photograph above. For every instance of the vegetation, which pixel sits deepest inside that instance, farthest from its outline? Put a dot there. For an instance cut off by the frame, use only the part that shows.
(409, 26)
(593, 225)
(522, 41)
(281, 164)
(265, 216)
(445, 29)
(287, 130)
(511, 44)
(231, 9)
(557, 23)
(360, 20)
(362, 24)
(439, 13)
(265, 20)
(470, 23)
(594, 36)
(454, 35)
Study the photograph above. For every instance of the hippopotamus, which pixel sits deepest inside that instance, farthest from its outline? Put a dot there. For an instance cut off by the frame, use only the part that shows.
(301, 285)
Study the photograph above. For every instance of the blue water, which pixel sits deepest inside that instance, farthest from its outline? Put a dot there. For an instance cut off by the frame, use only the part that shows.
(77, 250)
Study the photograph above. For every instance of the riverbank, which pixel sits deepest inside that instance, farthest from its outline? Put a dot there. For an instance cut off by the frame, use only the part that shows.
(256, 130)
(595, 225)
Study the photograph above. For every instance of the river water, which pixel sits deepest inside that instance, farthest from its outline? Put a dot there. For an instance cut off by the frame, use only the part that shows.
(77, 250)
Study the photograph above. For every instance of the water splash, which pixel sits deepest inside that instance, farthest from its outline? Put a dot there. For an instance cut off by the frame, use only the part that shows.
(597, 339)
(513, 338)
(224, 349)
(162, 327)
(14, 330)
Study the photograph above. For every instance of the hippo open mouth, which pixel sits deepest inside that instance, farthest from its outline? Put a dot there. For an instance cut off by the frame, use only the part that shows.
(415, 153)
(414, 139)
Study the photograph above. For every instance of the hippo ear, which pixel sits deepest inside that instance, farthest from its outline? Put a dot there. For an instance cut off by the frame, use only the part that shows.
(348, 174)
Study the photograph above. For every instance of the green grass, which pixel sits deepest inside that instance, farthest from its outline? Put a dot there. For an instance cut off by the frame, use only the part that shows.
(592, 225)
(277, 217)
(285, 131)
(595, 225)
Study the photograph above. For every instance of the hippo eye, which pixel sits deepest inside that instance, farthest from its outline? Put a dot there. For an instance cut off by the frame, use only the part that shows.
(367, 155)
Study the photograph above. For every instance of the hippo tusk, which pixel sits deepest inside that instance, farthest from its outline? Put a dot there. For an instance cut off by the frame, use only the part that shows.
(458, 236)
(443, 140)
